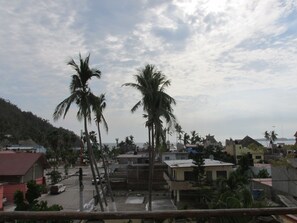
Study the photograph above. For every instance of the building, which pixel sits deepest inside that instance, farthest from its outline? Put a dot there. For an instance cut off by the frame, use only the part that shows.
(179, 174)
(133, 158)
(284, 177)
(17, 169)
(174, 156)
(26, 146)
(210, 141)
(247, 145)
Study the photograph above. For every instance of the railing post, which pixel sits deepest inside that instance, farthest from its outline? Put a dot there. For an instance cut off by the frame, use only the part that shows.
(81, 189)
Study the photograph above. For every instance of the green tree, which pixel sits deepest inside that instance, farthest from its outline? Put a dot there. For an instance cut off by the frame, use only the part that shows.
(271, 137)
(195, 138)
(19, 201)
(29, 202)
(179, 131)
(83, 97)
(186, 138)
(55, 176)
(263, 174)
(199, 168)
(157, 105)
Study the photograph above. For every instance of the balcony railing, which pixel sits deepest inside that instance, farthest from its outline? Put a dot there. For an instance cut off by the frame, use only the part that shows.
(156, 215)
(177, 185)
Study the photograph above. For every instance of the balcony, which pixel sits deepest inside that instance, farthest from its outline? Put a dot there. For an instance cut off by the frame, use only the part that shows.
(211, 215)
(177, 185)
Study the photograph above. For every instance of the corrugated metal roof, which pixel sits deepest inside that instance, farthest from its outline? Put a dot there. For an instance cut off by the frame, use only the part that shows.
(17, 164)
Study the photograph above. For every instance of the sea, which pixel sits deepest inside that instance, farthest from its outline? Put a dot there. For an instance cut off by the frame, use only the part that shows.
(264, 142)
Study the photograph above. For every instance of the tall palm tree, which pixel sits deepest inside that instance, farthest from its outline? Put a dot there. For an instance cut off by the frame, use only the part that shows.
(157, 106)
(81, 95)
(99, 118)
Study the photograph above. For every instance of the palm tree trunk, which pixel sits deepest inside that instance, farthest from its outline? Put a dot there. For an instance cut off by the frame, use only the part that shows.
(151, 169)
(100, 181)
(91, 164)
(105, 166)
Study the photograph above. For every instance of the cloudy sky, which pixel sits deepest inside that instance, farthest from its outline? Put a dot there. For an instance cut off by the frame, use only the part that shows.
(232, 64)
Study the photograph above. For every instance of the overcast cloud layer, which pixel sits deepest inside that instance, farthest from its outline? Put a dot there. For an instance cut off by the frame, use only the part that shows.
(232, 63)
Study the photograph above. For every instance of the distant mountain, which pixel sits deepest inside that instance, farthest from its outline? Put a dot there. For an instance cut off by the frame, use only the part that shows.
(17, 125)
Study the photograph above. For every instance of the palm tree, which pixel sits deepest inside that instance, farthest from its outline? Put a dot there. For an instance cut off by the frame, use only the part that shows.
(157, 105)
(179, 132)
(99, 118)
(271, 137)
(82, 96)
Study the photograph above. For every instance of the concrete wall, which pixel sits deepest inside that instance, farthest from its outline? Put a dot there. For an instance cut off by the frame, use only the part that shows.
(284, 179)
(1, 196)
(10, 189)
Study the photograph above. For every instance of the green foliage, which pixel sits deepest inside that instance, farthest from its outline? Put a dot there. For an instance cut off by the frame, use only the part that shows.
(31, 203)
(232, 193)
(55, 176)
(33, 192)
(198, 170)
(25, 125)
(19, 201)
(245, 162)
(217, 152)
(263, 174)
(127, 145)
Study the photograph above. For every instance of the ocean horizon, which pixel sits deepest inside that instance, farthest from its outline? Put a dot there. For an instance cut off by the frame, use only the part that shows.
(264, 142)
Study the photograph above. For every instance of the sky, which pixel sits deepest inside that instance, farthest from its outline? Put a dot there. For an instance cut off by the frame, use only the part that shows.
(232, 64)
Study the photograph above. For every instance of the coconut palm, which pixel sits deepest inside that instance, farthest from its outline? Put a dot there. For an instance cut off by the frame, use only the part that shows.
(271, 137)
(99, 118)
(157, 106)
(82, 96)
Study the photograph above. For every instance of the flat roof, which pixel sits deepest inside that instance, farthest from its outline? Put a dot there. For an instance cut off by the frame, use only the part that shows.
(190, 163)
(132, 156)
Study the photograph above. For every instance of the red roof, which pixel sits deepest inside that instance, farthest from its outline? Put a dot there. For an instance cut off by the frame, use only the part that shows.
(18, 164)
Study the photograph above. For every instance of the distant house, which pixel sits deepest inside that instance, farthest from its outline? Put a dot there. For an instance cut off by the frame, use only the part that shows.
(179, 174)
(174, 156)
(27, 146)
(133, 158)
(132, 170)
(16, 169)
(210, 141)
(247, 145)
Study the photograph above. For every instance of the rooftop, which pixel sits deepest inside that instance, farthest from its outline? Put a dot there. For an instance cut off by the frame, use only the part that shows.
(190, 163)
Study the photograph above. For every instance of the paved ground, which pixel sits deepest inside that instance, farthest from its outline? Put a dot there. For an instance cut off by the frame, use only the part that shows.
(124, 200)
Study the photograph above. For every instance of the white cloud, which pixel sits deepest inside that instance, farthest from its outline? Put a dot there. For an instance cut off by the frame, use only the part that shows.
(226, 59)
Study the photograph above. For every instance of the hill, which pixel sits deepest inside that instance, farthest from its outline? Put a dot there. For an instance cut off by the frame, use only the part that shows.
(16, 125)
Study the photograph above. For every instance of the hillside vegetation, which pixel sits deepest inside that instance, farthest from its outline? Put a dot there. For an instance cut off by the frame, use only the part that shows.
(16, 125)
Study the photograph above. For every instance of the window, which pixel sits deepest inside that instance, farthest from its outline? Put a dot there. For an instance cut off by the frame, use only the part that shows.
(258, 157)
(167, 158)
(222, 174)
(189, 175)
(208, 176)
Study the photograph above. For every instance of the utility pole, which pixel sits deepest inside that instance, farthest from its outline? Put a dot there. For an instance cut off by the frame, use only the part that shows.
(81, 188)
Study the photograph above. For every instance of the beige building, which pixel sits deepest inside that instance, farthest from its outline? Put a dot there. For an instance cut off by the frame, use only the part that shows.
(247, 145)
(180, 177)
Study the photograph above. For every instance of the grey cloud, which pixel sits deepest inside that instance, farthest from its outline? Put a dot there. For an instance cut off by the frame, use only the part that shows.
(214, 20)
(177, 38)
(256, 65)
